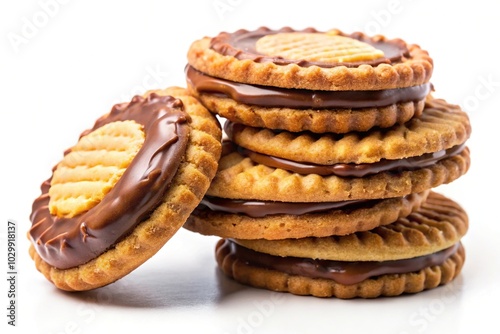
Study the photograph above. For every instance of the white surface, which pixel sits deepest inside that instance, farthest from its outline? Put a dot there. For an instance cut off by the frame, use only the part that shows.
(87, 55)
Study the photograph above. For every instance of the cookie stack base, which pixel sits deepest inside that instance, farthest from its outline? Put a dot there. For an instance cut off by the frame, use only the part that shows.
(383, 285)
(415, 253)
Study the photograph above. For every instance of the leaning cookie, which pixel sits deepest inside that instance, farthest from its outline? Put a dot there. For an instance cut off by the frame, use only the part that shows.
(124, 189)
(419, 252)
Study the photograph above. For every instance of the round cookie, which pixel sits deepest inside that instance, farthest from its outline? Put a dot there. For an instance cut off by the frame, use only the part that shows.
(306, 110)
(249, 219)
(242, 57)
(124, 189)
(419, 252)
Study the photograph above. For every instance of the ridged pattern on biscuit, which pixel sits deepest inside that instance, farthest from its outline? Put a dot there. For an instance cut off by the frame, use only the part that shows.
(440, 126)
(92, 167)
(241, 178)
(316, 47)
(414, 71)
(438, 224)
(188, 187)
(384, 285)
(321, 224)
(314, 120)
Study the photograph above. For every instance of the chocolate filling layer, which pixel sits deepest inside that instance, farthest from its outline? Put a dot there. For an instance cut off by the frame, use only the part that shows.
(340, 271)
(267, 96)
(259, 209)
(69, 242)
(353, 170)
(241, 45)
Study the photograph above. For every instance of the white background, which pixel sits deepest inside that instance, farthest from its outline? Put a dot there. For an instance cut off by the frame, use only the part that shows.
(64, 65)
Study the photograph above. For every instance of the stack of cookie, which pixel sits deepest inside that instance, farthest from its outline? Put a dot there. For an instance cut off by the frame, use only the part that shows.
(334, 145)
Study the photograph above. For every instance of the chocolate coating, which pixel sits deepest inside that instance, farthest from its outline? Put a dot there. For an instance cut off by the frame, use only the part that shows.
(241, 45)
(267, 96)
(340, 271)
(68, 242)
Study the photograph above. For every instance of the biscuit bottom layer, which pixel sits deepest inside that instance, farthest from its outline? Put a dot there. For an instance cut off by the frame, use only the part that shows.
(339, 271)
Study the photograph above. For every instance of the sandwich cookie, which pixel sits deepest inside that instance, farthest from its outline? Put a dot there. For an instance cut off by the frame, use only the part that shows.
(309, 80)
(415, 253)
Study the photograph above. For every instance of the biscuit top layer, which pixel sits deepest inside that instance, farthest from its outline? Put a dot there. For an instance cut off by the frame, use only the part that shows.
(133, 183)
(235, 57)
(309, 47)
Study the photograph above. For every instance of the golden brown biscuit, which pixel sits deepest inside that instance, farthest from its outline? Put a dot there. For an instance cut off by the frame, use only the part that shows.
(249, 220)
(236, 57)
(150, 201)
